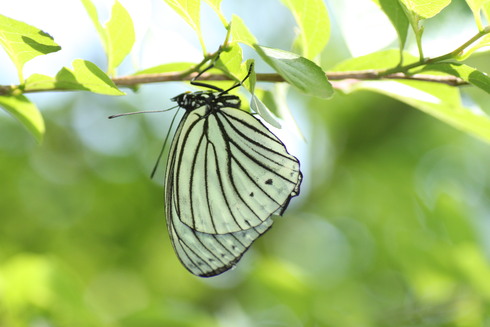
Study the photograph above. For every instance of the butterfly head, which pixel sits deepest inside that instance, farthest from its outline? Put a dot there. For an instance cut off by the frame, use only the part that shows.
(215, 100)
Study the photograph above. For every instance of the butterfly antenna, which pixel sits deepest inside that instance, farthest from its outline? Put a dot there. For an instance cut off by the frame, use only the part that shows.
(140, 112)
(242, 81)
(163, 147)
(209, 86)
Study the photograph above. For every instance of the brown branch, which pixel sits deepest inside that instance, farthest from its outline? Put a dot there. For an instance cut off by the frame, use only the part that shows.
(338, 79)
(374, 75)
(132, 80)
(274, 78)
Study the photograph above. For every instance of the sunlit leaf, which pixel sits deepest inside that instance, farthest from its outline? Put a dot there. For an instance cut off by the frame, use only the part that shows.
(417, 10)
(314, 25)
(26, 112)
(120, 36)
(84, 76)
(398, 18)
(256, 104)
(241, 33)
(189, 10)
(481, 43)
(216, 5)
(423, 8)
(117, 36)
(439, 100)
(298, 71)
(284, 112)
(476, 6)
(92, 13)
(230, 61)
(23, 42)
(167, 68)
(259, 107)
(377, 60)
(466, 73)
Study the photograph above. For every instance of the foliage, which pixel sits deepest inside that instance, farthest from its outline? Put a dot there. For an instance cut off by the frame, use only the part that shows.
(391, 225)
(118, 38)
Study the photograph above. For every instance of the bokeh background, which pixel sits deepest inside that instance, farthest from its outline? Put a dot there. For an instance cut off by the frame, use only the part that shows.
(391, 227)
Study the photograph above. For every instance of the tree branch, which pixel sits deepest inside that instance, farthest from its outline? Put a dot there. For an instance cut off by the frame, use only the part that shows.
(338, 79)
(274, 78)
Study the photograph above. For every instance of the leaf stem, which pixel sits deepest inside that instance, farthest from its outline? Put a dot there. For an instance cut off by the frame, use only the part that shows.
(448, 56)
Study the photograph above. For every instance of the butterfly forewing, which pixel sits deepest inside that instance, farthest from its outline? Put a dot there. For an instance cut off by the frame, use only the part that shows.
(231, 173)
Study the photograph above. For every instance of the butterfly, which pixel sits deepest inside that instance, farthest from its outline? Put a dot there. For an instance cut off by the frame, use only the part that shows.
(227, 174)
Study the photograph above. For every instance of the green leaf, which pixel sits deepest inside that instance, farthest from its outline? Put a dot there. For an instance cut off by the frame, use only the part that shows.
(466, 73)
(23, 42)
(482, 42)
(297, 71)
(241, 33)
(417, 10)
(398, 18)
(26, 112)
(117, 36)
(85, 76)
(230, 61)
(313, 22)
(256, 105)
(425, 9)
(280, 97)
(377, 60)
(167, 68)
(120, 36)
(439, 100)
(189, 10)
(476, 6)
(259, 107)
(216, 6)
(486, 10)
(92, 13)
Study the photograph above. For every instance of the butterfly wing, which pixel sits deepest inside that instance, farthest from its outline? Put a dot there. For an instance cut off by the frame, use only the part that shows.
(230, 172)
(208, 255)
(226, 175)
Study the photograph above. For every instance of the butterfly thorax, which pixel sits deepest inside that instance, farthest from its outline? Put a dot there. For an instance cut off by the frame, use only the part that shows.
(213, 100)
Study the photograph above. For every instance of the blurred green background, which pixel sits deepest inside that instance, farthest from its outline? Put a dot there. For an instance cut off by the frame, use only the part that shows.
(391, 227)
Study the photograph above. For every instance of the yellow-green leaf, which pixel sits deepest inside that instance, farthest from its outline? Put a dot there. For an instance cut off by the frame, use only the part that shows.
(120, 36)
(117, 36)
(476, 6)
(26, 112)
(84, 76)
(189, 10)
(241, 33)
(22, 42)
(300, 72)
(216, 5)
(425, 9)
(314, 25)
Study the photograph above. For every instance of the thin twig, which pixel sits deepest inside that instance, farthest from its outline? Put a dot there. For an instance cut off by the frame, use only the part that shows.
(353, 76)
(274, 78)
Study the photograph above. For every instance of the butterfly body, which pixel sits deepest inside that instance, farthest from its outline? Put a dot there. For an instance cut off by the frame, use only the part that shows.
(213, 100)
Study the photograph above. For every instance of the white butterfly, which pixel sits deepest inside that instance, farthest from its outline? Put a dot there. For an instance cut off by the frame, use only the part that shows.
(227, 174)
